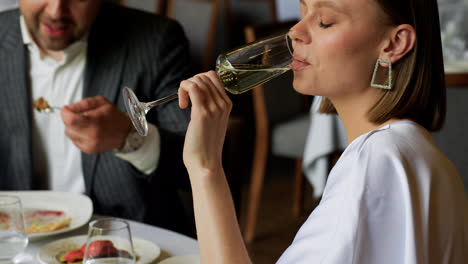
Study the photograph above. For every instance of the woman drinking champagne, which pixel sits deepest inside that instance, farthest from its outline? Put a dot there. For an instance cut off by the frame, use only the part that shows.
(392, 197)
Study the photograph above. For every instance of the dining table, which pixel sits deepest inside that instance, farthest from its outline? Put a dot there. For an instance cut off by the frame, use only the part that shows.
(170, 242)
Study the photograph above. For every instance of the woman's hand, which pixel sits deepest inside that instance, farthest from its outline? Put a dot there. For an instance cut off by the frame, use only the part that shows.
(209, 117)
(218, 233)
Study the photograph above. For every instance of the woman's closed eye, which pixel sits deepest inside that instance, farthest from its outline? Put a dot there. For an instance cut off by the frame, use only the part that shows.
(323, 25)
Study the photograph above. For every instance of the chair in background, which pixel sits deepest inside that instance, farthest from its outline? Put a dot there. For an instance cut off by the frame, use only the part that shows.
(260, 4)
(156, 6)
(287, 125)
(199, 20)
(452, 139)
(240, 13)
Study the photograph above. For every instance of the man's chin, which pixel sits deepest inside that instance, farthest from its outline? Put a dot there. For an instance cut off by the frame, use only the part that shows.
(55, 45)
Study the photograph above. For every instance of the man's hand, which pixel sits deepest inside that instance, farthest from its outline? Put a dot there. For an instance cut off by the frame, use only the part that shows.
(95, 125)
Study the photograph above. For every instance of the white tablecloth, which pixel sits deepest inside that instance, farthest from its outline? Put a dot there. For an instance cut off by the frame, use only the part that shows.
(326, 135)
(171, 243)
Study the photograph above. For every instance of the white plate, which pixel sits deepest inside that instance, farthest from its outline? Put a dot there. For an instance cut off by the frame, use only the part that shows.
(189, 259)
(77, 206)
(147, 251)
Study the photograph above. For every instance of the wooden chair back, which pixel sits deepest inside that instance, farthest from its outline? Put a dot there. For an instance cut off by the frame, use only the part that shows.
(265, 100)
(456, 79)
(159, 5)
(451, 139)
(199, 20)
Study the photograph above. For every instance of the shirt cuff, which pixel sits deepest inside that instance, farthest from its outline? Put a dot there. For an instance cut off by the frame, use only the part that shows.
(145, 158)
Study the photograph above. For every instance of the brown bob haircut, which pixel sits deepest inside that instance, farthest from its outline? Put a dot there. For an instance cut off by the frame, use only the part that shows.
(418, 90)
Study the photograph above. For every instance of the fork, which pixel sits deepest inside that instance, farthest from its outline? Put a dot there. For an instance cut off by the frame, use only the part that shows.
(49, 110)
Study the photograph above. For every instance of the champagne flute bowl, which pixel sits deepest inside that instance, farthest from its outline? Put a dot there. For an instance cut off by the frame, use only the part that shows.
(239, 70)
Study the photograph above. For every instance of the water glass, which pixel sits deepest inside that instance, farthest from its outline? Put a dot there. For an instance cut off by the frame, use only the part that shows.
(13, 238)
(109, 241)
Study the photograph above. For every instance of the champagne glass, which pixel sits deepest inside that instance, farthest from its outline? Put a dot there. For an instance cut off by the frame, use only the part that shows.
(13, 239)
(109, 241)
(239, 70)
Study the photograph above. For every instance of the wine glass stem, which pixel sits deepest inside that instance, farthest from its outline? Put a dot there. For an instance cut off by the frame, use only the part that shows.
(163, 100)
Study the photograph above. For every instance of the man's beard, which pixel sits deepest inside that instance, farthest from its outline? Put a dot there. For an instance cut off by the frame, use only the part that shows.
(51, 43)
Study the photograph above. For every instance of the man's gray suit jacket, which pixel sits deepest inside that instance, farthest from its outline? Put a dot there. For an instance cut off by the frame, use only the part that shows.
(125, 48)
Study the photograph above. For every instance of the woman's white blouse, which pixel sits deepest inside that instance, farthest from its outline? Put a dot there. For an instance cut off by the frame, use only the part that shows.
(392, 197)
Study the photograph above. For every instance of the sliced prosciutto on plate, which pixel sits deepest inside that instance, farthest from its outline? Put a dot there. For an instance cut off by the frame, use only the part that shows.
(41, 221)
(4, 221)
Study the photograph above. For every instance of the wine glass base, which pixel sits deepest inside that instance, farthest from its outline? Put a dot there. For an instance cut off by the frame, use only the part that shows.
(20, 259)
(136, 111)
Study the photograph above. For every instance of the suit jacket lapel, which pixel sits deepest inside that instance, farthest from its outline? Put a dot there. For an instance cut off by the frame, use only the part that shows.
(16, 102)
(103, 75)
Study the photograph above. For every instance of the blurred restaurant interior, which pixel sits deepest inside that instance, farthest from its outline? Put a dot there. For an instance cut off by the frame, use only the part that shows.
(264, 147)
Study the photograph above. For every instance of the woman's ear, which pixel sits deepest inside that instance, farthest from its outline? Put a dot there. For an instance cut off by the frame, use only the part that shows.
(400, 41)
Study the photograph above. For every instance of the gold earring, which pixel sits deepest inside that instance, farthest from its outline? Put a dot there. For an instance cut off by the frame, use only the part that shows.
(388, 85)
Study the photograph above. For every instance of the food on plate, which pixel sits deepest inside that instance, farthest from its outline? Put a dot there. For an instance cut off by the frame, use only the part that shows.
(73, 256)
(101, 248)
(41, 221)
(4, 221)
(41, 104)
(96, 249)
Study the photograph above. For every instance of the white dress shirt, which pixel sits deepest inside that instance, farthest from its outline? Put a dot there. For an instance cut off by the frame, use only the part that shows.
(57, 161)
(392, 197)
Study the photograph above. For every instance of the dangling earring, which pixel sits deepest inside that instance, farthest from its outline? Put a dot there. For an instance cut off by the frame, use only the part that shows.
(388, 85)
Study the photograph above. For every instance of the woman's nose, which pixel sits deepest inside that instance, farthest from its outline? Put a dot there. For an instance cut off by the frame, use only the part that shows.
(300, 34)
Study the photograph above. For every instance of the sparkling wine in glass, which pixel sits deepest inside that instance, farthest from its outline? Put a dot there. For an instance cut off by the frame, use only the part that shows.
(253, 64)
(109, 241)
(13, 238)
(239, 70)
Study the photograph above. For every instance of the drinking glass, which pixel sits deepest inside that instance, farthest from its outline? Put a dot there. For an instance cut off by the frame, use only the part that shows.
(239, 70)
(13, 238)
(109, 241)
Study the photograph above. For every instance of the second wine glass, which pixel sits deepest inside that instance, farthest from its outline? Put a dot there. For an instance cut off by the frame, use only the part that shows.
(239, 70)
(13, 239)
(109, 241)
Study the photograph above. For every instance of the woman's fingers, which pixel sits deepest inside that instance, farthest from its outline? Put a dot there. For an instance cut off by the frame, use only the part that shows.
(213, 76)
(202, 91)
(218, 94)
(213, 99)
(192, 91)
(183, 97)
(223, 101)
